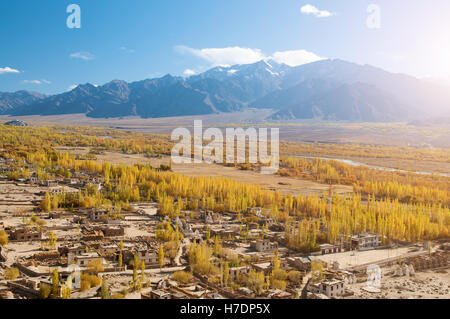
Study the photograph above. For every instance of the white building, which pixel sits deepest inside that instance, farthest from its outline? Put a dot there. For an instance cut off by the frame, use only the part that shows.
(366, 241)
(332, 288)
(263, 245)
(83, 259)
(149, 257)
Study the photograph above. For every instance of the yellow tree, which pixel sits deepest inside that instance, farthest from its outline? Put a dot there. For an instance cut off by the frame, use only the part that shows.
(161, 256)
(3, 238)
(55, 283)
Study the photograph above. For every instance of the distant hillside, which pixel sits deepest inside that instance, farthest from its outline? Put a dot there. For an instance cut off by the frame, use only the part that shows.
(348, 102)
(436, 121)
(9, 102)
(327, 89)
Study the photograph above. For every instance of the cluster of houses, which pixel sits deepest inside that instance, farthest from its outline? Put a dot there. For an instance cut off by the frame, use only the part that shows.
(363, 241)
(58, 185)
(102, 238)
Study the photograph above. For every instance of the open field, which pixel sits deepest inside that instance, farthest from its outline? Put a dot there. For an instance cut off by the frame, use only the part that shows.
(399, 134)
(121, 212)
(16, 197)
(424, 285)
(388, 134)
(285, 185)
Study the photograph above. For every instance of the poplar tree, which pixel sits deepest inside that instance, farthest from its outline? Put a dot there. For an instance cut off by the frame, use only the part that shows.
(161, 256)
(55, 284)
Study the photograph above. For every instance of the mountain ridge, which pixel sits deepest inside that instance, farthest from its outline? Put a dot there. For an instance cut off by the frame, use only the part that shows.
(326, 89)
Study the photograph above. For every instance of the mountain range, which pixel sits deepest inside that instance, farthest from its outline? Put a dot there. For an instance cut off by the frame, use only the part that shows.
(333, 90)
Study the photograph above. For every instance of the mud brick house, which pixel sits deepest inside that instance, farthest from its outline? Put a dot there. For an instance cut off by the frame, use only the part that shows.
(112, 231)
(83, 259)
(24, 234)
(149, 257)
(263, 245)
(156, 294)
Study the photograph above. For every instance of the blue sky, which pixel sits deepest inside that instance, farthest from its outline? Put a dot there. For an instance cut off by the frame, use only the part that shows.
(137, 39)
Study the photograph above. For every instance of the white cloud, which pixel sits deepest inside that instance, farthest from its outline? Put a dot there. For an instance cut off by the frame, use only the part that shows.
(32, 82)
(43, 81)
(155, 75)
(295, 57)
(8, 70)
(310, 9)
(237, 55)
(224, 56)
(82, 55)
(127, 50)
(189, 72)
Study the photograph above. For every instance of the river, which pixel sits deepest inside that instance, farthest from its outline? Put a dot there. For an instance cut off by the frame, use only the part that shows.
(355, 163)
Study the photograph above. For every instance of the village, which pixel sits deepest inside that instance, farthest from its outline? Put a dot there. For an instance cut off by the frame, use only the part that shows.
(134, 252)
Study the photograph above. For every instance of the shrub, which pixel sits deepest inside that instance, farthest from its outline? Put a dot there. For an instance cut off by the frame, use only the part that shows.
(45, 291)
(182, 276)
(280, 274)
(295, 276)
(255, 281)
(95, 266)
(279, 284)
(3, 238)
(11, 273)
(85, 285)
(90, 281)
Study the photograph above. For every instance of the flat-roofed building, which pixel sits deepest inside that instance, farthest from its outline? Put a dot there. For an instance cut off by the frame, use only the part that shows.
(83, 259)
(24, 234)
(263, 245)
(330, 249)
(365, 241)
(332, 288)
(149, 257)
(156, 294)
